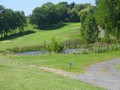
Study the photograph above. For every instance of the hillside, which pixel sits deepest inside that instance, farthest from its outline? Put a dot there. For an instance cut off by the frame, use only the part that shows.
(65, 32)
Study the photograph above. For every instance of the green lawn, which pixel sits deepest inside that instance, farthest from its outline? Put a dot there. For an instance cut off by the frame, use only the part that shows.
(21, 73)
(66, 32)
(21, 77)
(62, 61)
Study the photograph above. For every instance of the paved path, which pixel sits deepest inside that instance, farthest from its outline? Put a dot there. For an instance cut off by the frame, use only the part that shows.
(101, 74)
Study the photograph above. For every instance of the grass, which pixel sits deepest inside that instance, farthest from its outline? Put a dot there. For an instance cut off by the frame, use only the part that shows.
(21, 73)
(118, 66)
(14, 76)
(60, 61)
(65, 32)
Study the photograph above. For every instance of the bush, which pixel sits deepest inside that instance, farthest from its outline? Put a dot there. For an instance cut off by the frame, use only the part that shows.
(54, 46)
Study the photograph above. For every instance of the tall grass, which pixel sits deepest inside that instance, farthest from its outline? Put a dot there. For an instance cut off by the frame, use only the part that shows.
(26, 48)
(74, 43)
(82, 48)
(97, 48)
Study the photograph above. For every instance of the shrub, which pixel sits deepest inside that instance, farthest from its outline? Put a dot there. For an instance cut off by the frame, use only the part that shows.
(54, 46)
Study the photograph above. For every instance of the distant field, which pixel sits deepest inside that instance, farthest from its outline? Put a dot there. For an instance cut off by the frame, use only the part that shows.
(65, 32)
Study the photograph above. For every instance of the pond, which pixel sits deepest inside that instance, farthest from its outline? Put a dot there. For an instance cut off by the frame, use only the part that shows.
(67, 51)
(33, 52)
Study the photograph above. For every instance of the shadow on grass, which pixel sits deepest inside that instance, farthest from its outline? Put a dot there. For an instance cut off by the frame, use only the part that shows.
(54, 27)
(13, 36)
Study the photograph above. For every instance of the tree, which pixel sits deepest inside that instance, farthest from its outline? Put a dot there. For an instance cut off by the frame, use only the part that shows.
(71, 6)
(20, 20)
(86, 11)
(90, 29)
(63, 9)
(45, 15)
(107, 15)
(73, 15)
(6, 21)
(11, 20)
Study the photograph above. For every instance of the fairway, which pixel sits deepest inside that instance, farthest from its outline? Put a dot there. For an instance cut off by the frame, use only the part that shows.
(65, 32)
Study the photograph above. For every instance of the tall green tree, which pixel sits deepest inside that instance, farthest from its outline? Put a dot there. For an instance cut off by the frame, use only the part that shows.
(45, 15)
(20, 20)
(90, 30)
(73, 15)
(63, 9)
(11, 20)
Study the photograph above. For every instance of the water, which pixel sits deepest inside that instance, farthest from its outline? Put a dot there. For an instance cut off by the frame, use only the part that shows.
(67, 51)
(71, 51)
(33, 52)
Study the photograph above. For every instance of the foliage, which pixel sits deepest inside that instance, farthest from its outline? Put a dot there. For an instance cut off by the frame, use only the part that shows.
(62, 8)
(50, 14)
(45, 15)
(11, 20)
(54, 46)
(90, 29)
(107, 15)
(73, 15)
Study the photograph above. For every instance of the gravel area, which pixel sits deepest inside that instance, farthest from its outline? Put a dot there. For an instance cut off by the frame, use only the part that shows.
(102, 74)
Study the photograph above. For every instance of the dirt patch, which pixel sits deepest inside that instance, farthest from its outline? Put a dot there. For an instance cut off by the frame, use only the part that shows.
(58, 71)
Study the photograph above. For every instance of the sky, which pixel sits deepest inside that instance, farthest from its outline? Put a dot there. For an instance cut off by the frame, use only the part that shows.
(28, 5)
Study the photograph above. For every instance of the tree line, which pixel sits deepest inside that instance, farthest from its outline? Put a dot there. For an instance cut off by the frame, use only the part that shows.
(49, 13)
(10, 21)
